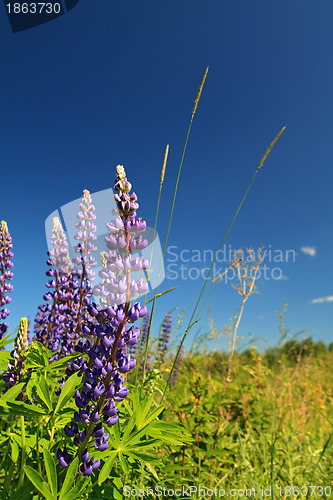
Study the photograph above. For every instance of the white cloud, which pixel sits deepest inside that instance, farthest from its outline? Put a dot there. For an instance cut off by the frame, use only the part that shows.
(283, 277)
(309, 251)
(261, 317)
(322, 299)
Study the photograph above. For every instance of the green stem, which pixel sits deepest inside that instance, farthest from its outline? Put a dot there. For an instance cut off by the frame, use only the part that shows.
(37, 449)
(24, 452)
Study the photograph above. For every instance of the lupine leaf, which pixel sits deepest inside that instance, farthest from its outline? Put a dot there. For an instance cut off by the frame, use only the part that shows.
(24, 493)
(4, 359)
(62, 362)
(128, 407)
(106, 469)
(50, 471)
(146, 407)
(37, 481)
(143, 457)
(72, 383)
(12, 394)
(43, 392)
(21, 408)
(123, 463)
(149, 443)
(116, 434)
(173, 433)
(78, 488)
(15, 450)
(136, 435)
(31, 386)
(129, 427)
(155, 413)
(71, 471)
(6, 340)
(34, 392)
(38, 356)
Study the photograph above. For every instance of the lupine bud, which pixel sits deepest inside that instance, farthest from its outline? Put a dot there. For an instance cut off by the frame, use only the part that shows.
(15, 366)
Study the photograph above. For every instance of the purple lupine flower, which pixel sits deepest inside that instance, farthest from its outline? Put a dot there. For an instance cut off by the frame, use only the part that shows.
(49, 322)
(65, 459)
(59, 323)
(85, 235)
(142, 344)
(145, 330)
(109, 331)
(16, 364)
(6, 275)
(164, 337)
(177, 366)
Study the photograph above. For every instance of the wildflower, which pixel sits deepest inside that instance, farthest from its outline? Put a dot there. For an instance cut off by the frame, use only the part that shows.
(49, 322)
(163, 340)
(16, 364)
(85, 235)
(6, 275)
(59, 324)
(109, 331)
(177, 366)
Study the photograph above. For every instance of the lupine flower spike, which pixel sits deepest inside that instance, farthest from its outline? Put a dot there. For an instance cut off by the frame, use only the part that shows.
(164, 338)
(49, 322)
(177, 366)
(109, 331)
(85, 236)
(6, 275)
(16, 364)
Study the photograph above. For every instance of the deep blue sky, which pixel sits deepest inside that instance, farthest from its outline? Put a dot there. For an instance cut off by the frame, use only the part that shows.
(113, 82)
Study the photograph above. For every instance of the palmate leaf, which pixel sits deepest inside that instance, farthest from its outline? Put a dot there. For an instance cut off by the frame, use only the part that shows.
(38, 356)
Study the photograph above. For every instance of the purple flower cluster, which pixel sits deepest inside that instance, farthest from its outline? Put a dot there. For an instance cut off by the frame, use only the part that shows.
(86, 237)
(177, 366)
(16, 364)
(125, 238)
(109, 332)
(164, 337)
(145, 330)
(59, 322)
(6, 275)
(50, 318)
